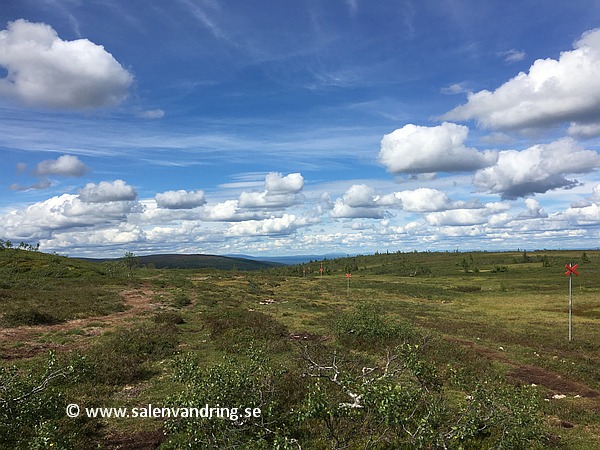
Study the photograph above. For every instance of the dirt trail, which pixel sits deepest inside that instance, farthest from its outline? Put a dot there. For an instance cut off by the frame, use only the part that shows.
(138, 302)
(527, 374)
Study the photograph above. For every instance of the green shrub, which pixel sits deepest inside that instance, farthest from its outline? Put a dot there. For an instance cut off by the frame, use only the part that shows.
(168, 317)
(366, 326)
(29, 316)
(32, 407)
(238, 386)
(181, 300)
(495, 415)
(402, 403)
(341, 401)
(466, 288)
(231, 329)
(122, 357)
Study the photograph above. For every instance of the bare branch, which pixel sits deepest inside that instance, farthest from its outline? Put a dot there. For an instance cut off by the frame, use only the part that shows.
(44, 384)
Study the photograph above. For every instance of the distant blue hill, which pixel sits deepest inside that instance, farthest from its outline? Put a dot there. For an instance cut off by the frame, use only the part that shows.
(292, 259)
(197, 261)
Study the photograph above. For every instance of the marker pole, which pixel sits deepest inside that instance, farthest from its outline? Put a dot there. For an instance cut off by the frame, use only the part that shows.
(570, 306)
(571, 269)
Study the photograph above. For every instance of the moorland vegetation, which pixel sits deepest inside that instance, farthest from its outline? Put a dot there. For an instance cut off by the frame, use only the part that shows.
(415, 350)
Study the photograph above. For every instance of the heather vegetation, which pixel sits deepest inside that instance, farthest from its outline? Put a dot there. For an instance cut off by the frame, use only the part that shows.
(415, 350)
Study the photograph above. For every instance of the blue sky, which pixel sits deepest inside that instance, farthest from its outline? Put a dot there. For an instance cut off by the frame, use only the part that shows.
(282, 127)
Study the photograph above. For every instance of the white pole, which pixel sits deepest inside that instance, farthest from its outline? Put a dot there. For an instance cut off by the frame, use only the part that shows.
(571, 306)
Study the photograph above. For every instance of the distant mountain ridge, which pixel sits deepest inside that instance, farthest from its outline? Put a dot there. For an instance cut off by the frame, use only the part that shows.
(196, 261)
(291, 259)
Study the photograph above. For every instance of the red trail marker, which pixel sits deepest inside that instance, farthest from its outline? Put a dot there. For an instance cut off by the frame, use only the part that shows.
(571, 269)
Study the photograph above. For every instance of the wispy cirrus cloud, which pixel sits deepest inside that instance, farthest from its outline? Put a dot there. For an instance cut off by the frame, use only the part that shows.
(151, 114)
(512, 55)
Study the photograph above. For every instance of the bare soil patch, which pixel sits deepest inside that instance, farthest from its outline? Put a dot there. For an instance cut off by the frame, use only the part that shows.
(138, 301)
(143, 440)
(527, 374)
(556, 383)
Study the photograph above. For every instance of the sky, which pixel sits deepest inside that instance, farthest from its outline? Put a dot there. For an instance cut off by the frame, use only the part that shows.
(289, 127)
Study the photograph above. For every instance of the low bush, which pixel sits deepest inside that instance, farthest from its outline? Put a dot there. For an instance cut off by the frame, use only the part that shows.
(399, 401)
(168, 317)
(32, 406)
(240, 386)
(232, 328)
(365, 326)
(123, 356)
(466, 288)
(181, 300)
(29, 316)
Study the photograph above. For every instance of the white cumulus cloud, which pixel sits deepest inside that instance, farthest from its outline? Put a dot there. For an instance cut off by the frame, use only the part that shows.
(534, 210)
(276, 182)
(423, 200)
(587, 215)
(280, 192)
(65, 165)
(271, 226)
(67, 212)
(552, 92)
(458, 217)
(360, 195)
(229, 211)
(420, 149)
(584, 131)
(342, 211)
(180, 199)
(267, 200)
(361, 201)
(107, 191)
(494, 214)
(596, 194)
(536, 169)
(44, 70)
